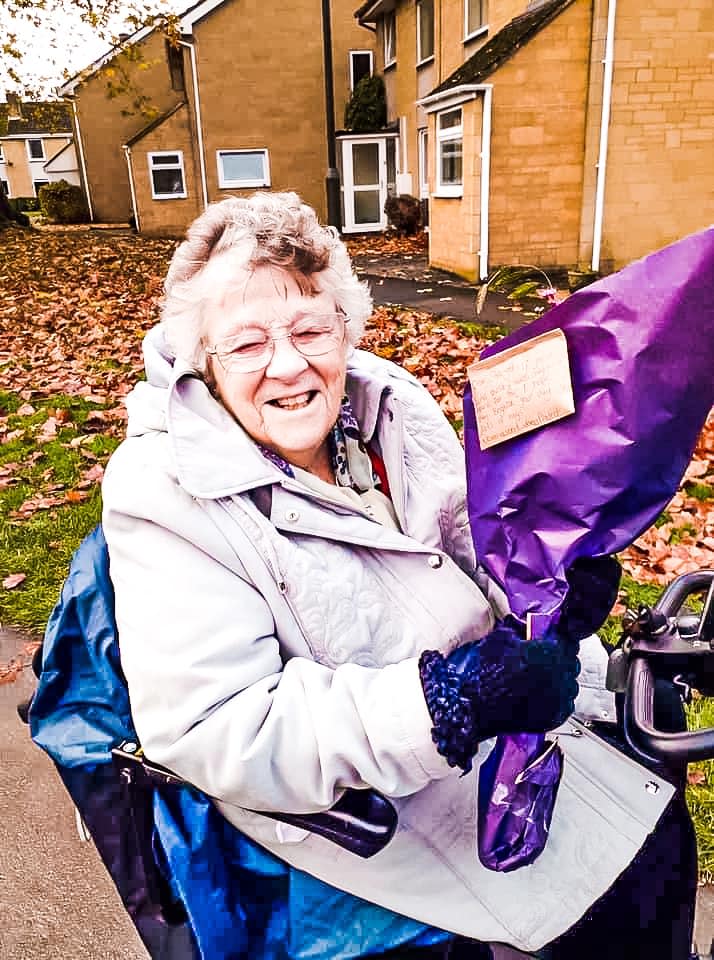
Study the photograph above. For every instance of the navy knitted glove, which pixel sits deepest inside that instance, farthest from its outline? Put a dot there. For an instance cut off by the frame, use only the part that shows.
(499, 684)
(593, 583)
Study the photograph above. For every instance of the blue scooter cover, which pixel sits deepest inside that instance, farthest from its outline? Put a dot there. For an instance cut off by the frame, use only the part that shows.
(194, 886)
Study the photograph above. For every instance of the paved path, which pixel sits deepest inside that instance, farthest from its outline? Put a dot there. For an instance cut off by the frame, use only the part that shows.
(56, 899)
(443, 298)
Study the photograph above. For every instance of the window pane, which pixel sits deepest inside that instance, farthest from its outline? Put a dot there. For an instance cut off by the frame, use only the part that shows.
(367, 206)
(475, 10)
(166, 160)
(450, 119)
(167, 181)
(35, 148)
(4, 187)
(243, 166)
(451, 162)
(426, 29)
(365, 164)
(361, 66)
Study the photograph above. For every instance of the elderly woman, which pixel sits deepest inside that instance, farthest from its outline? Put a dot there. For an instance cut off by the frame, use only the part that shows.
(300, 610)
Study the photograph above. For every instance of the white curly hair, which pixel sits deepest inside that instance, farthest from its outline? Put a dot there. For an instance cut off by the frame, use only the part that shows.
(277, 229)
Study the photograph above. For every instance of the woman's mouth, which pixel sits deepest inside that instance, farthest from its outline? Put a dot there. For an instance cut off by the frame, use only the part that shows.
(297, 402)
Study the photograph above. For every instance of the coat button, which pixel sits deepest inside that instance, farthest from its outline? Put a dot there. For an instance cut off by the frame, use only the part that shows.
(435, 561)
(292, 515)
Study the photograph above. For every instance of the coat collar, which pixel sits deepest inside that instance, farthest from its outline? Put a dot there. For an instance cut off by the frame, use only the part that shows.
(214, 457)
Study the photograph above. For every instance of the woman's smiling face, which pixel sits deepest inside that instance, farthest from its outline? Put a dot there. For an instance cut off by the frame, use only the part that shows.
(291, 404)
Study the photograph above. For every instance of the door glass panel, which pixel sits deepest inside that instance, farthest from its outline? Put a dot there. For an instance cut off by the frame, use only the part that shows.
(365, 163)
(367, 206)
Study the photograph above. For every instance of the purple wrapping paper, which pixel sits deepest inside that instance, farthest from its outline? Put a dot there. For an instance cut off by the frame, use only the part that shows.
(641, 349)
(518, 784)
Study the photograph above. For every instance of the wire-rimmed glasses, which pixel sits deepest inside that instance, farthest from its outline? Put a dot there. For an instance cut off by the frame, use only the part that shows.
(252, 350)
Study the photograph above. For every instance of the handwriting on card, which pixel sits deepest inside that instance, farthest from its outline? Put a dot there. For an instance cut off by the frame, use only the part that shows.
(522, 388)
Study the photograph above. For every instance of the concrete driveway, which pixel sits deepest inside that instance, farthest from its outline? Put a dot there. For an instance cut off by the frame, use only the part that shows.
(56, 899)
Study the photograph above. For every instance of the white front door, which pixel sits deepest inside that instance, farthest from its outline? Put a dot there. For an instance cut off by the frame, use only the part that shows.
(364, 181)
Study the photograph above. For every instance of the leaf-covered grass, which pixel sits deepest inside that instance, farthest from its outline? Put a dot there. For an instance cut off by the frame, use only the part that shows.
(50, 498)
(42, 547)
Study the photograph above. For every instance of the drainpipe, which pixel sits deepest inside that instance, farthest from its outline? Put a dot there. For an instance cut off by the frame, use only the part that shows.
(608, 66)
(134, 207)
(82, 161)
(485, 179)
(199, 126)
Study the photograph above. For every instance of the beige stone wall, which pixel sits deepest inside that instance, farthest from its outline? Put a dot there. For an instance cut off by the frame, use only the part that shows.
(660, 163)
(104, 129)
(166, 217)
(18, 170)
(538, 143)
(406, 83)
(455, 222)
(260, 70)
(347, 35)
(452, 51)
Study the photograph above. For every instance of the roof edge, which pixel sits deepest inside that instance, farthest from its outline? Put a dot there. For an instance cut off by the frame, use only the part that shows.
(154, 124)
(452, 97)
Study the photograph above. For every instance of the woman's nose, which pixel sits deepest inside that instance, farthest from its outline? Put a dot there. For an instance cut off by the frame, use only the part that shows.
(286, 362)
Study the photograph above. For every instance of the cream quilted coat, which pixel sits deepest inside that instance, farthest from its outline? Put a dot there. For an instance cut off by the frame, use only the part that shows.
(270, 641)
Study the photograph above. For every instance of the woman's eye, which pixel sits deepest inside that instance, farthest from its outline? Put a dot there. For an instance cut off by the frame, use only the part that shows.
(304, 336)
(248, 348)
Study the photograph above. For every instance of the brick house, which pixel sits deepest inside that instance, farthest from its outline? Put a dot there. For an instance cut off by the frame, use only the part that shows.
(238, 105)
(555, 133)
(36, 146)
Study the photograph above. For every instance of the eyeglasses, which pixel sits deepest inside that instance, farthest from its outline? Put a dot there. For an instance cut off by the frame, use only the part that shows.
(253, 350)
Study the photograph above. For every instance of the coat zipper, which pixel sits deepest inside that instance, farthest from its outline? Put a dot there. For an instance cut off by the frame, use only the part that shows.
(270, 558)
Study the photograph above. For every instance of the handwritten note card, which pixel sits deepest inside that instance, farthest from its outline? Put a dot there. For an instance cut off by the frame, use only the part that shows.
(522, 388)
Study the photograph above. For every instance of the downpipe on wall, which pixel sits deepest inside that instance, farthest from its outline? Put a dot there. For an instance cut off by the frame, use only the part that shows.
(135, 209)
(608, 68)
(199, 124)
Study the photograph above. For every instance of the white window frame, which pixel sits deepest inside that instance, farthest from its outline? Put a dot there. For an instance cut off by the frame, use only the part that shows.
(360, 53)
(2, 155)
(42, 182)
(389, 27)
(469, 33)
(429, 56)
(167, 166)
(39, 140)
(225, 182)
(449, 135)
(7, 186)
(423, 163)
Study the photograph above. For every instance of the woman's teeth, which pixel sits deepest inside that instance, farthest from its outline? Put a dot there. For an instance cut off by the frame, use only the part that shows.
(293, 403)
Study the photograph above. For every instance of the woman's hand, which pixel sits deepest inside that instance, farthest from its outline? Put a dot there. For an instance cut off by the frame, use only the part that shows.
(500, 684)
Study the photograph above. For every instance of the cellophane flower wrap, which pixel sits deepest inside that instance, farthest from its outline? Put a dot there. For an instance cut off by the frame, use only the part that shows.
(641, 353)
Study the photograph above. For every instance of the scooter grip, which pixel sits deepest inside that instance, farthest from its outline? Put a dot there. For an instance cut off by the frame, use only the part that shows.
(640, 731)
(361, 821)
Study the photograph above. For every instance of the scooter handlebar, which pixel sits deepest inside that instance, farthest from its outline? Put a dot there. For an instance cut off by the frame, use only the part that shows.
(641, 732)
(690, 655)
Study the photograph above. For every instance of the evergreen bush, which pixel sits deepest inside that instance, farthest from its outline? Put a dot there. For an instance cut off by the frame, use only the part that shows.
(62, 202)
(366, 110)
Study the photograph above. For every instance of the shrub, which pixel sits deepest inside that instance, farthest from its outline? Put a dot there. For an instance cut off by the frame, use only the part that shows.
(404, 214)
(366, 110)
(63, 202)
(24, 204)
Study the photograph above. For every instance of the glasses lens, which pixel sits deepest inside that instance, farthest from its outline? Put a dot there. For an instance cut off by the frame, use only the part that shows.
(245, 353)
(316, 335)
